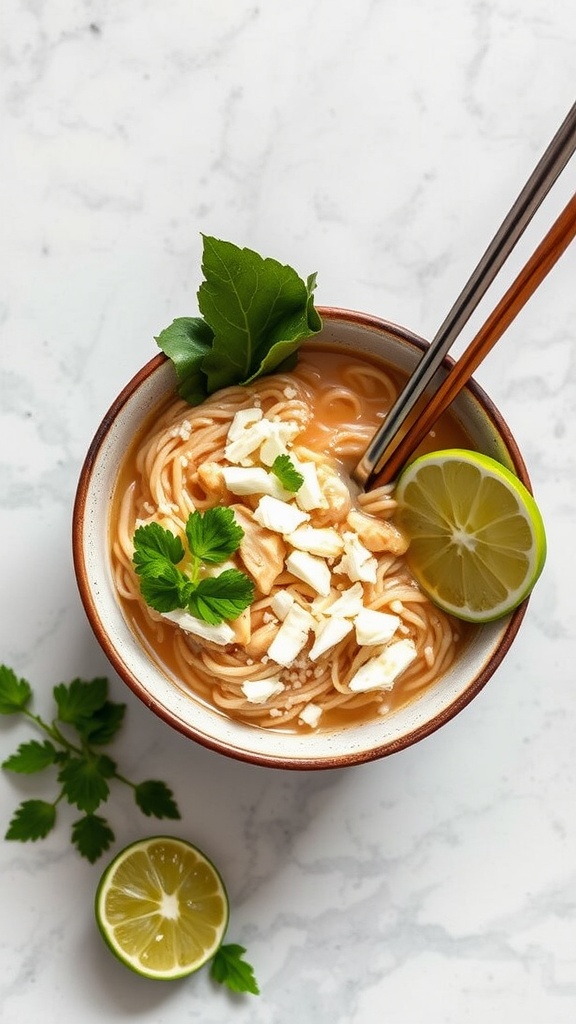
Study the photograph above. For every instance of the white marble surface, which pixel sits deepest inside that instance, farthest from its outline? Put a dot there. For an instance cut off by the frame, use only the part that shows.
(380, 143)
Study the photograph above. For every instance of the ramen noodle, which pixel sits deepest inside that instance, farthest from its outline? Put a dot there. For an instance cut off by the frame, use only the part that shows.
(338, 629)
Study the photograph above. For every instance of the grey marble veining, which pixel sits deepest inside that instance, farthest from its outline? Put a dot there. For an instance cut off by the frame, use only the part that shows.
(379, 143)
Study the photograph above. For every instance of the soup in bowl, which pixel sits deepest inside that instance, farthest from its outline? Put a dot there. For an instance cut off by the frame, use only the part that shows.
(305, 643)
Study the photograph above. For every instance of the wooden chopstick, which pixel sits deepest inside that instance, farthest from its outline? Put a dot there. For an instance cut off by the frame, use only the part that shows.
(530, 277)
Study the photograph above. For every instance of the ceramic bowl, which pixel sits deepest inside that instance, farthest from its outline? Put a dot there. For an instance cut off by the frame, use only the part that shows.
(175, 704)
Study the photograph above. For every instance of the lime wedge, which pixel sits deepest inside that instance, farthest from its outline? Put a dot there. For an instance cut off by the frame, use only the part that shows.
(477, 540)
(162, 908)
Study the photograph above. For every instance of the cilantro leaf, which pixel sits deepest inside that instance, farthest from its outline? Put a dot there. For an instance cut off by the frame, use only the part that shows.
(186, 341)
(32, 820)
(153, 542)
(219, 598)
(259, 310)
(155, 799)
(164, 587)
(288, 475)
(104, 723)
(15, 693)
(91, 835)
(31, 757)
(213, 535)
(229, 968)
(78, 700)
(84, 781)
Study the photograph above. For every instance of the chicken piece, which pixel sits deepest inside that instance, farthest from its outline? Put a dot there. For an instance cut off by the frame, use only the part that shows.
(261, 639)
(211, 479)
(262, 551)
(377, 534)
(337, 497)
(242, 627)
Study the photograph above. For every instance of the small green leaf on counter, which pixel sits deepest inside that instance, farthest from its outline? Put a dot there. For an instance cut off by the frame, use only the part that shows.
(229, 968)
(85, 719)
(286, 471)
(256, 314)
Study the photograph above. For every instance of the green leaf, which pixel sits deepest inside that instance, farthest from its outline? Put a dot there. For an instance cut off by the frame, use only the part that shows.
(152, 542)
(84, 781)
(288, 475)
(186, 342)
(31, 757)
(164, 587)
(259, 310)
(229, 968)
(102, 727)
(33, 820)
(15, 693)
(78, 700)
(155, 799)
(213, 535)
(223, 597)
(91, 836)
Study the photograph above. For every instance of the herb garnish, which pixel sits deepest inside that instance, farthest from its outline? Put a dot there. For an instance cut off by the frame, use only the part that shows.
(89, 721)
(286, 471)
(229, 968)
(256, 313)
(212, 537)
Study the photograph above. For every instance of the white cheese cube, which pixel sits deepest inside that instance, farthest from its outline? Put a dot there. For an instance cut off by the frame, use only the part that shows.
(309, 496)
(310, 715)
(311, 569)
(373, 627)
(329, 633)
(243, 419)
(323, 541)
(357, 562)
(248, 442)
(278, 515)
(221, 634)
(281, 603)
(280, 434)
(291, 637)
(258, 691)
(349, 604)
(253, 480)
(380, 673)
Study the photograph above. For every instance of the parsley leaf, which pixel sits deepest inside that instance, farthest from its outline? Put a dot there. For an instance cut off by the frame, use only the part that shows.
(31, 757)
(186, 341)
(256, 313)
(228, 968)
(91, 835)
(33, 819)
(14, 693)
(155, 800)
(213, 535)
(78, 700)
(84, 781)
(217, 598)
(102, 727)
(286, 471)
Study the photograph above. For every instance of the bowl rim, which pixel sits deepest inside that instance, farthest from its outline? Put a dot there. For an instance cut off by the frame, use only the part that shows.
(350, 758)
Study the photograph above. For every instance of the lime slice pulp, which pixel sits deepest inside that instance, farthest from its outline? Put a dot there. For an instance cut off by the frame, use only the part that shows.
(477, 540)
(162, 908)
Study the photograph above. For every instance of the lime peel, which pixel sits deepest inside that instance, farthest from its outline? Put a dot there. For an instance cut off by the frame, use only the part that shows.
(477, 539)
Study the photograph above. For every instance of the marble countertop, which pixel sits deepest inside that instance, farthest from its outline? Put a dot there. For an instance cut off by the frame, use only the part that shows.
(379, 143)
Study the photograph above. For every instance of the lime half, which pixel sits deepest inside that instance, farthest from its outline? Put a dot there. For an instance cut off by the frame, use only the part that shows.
(162, 908)
(477, 540)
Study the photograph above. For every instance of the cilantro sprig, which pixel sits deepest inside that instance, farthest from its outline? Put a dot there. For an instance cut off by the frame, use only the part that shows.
(256, 313)
(85, 721)
(290, 478)
(229, 968)
(212, 536)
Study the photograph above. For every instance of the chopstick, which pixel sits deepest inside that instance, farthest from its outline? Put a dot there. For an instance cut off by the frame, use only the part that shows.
(550, 165)
(525, 284)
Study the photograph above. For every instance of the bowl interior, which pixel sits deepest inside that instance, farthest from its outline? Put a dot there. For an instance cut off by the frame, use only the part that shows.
(175, 704)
